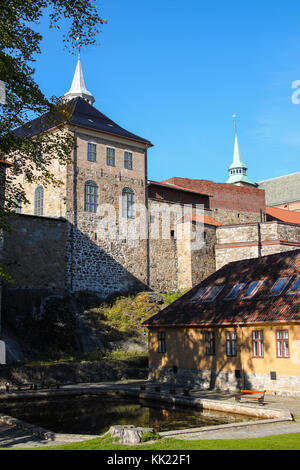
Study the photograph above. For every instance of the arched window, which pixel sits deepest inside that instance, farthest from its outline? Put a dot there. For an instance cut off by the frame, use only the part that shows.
(90, 196)
(39, 201)
(128, 203)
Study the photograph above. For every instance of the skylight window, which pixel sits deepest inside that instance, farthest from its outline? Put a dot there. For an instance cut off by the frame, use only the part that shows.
(213, 293)
(295, 289)
(279, 285)
(252, 289)
(235, 292)
(199, 295)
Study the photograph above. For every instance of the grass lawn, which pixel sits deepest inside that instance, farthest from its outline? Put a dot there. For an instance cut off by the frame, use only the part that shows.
(279, 442)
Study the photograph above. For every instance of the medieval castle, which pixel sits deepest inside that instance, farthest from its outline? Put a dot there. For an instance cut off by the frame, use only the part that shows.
(59, 242)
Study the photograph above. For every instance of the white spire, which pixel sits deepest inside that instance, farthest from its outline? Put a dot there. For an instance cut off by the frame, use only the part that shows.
(78, 87)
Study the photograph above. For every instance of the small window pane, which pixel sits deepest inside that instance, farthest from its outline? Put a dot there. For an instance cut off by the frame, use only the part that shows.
(92, 152)
(252, 289)
(282, 340)
(295, 289)
(39, 201)
(279, 286)
(128, 160)
(90, 197)
(199, 294)
(235, 291)
(162, 342)
(214, 292)
(210, 343)
(110, 156)
(128, 203)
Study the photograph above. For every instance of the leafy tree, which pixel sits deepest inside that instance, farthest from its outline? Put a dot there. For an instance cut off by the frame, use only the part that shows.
(19, 46)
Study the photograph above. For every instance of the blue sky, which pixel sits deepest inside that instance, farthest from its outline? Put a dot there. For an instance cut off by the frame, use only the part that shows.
(175, 72)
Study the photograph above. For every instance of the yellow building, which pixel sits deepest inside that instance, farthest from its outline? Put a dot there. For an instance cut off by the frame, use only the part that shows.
(240, 328)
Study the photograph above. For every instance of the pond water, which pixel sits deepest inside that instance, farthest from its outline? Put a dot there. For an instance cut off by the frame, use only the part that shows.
(95, 414)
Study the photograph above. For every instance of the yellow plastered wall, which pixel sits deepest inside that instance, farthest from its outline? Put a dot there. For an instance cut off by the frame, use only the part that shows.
(185, 348)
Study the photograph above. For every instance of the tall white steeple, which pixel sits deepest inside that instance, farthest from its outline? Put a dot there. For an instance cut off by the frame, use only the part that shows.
(78, 87)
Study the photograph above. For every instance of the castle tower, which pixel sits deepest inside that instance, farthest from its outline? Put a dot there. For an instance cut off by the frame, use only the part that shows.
(78, 88)
(238, 170)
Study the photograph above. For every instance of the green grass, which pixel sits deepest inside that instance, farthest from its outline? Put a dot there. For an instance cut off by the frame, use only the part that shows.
(279, 442)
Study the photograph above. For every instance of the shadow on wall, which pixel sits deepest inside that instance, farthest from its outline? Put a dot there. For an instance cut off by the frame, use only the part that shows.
(49, 257)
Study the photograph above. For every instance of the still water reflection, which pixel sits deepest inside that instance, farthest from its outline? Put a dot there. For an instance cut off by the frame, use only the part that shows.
(94, 415)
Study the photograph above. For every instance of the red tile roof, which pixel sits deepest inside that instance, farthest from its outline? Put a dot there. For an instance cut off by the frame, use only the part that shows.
(283, 215)
(261, 308)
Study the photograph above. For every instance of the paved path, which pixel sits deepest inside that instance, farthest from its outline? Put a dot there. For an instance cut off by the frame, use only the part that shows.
(11, 437)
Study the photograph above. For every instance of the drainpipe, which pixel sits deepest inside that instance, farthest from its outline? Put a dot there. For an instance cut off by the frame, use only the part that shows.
(240, 329)
(259, 239)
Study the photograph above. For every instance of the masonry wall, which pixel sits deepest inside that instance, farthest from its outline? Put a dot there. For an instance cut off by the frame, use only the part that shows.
(109, 253)
(34, 255)
(252, 240)
(102, 252)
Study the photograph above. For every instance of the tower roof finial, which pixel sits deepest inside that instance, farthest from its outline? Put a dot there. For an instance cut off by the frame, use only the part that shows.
(78, 88)
(238, 170)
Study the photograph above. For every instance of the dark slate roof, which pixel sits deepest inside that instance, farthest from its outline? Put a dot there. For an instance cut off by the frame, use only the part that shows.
(83, 115)
(261, 308)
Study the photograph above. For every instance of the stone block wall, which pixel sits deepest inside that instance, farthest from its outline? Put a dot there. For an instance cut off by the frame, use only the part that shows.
(35, 252)
(252, 240)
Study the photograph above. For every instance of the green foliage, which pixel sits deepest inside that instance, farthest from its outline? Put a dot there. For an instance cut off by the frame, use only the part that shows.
(150, 436)
(171, 297)
(279, 442)
(20, 41)
(5, 275)
(124, 316)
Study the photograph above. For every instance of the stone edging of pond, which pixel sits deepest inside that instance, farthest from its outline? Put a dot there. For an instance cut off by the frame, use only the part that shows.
(36, 430)
(272, 416)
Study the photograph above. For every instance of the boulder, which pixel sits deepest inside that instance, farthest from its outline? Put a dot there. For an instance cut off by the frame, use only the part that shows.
(128, 434)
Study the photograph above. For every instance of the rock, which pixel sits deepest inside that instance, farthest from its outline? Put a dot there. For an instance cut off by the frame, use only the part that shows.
(128, 434)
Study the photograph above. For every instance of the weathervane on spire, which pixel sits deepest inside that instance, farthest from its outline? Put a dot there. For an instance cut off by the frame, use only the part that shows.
(79, 46)
(234, 118)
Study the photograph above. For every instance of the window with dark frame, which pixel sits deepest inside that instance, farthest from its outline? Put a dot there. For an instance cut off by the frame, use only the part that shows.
(295, 289)
(110, 156)
(235, 292)
(128, 160)
(258, 343)
(92, 152)
(162, 342)
(279, 286)
(210, 348)
(282, 343)
(231, 350)
(252, 289)
(39, 201)
(90, 196)
(128, 203)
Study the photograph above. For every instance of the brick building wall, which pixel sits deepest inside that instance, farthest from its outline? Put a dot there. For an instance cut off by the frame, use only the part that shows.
(229, 204)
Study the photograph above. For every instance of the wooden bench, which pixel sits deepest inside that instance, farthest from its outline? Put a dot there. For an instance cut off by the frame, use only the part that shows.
(248, 394)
